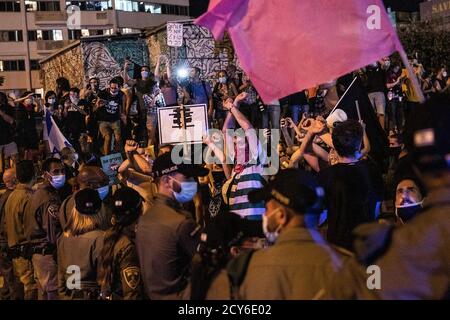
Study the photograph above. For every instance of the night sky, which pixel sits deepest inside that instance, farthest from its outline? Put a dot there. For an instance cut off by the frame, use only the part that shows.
(200, 6)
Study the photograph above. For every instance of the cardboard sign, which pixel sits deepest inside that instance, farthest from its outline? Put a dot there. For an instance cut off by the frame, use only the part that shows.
(110, 165)
(174, 34)
(185, 124)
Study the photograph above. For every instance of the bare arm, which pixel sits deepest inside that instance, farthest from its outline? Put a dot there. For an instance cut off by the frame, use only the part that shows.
(298, 155)
(365, 151)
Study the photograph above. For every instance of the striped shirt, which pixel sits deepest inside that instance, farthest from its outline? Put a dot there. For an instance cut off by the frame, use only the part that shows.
(249, 179)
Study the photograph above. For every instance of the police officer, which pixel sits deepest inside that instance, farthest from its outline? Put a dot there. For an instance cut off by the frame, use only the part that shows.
(414, 258)
(10, 288)
(79, 248)
(42, 227)
(15, 233)
(300, 262)
(223, 238)
(120, 273)
(167, 236)
(89, 177)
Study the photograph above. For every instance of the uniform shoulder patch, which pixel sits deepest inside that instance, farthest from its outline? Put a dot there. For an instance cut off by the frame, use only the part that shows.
(132, 276)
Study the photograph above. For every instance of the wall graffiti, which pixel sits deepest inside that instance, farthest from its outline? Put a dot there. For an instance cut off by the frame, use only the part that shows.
(199, 50)
(105, 59)
(67, 64)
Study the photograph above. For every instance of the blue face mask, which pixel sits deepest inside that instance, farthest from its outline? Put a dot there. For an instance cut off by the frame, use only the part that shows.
(103, 192)
(58, 181)
(188, 191)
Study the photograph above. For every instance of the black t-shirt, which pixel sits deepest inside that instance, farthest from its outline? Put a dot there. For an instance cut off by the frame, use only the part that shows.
(376, 80)
(6, 129)
(74, 122)
(110, 112)
(298, 99)
(349, 196)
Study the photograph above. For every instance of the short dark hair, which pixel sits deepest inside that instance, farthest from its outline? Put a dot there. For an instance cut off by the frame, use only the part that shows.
(63, 83)
(48, 163)
(49, 94)
(117, 80)
(347, 138)
(75, 89)
(25, 171)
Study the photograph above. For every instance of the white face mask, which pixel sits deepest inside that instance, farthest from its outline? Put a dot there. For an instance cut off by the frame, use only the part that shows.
(74, 100)
(51, 101)
(444, 74)
(270, 235)
(223, 80)
(58, 181)
(188, 190)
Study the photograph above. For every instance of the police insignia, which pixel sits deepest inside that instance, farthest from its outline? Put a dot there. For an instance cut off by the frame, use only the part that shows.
(132, 277)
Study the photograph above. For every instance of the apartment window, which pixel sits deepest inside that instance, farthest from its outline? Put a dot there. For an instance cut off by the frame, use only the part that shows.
(10, 6)
(32, 35)
(34, 65)
(74, 34)
(42, 5)
(91, 5)
(152, 8)
(11, 36)
(49, 35)
(12, 65)
(126, 5)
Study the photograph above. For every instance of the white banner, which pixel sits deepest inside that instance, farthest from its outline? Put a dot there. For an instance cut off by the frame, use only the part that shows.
(174, 34)
(180, 126)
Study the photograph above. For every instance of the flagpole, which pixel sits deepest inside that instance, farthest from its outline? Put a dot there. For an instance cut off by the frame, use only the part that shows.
(337, 104)
(357, 110)
(411, 74)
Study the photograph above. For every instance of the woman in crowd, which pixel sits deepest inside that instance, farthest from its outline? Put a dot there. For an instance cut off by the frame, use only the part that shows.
(120, 275)
(80, 247)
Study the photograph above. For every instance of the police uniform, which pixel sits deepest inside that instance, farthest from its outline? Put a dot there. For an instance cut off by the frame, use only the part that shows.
(42, 229)
(301, 262)
(125, 282)
(9, 285)
(79, 256)
(167, 238)
(17, 243)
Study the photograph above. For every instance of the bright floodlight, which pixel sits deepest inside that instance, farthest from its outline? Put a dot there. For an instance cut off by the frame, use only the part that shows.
(182, 73)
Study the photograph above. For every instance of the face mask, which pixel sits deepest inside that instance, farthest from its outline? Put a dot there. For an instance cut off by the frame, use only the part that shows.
(444, 74)
(387, 64)
(103, 192)
(223, 80)
(271, 236)
(408, 211)
(74, 100)
(51, 101)
(113, 93)
(144, 74)
(395, 151)
(75, 157)
(58, 181)
(188, 191)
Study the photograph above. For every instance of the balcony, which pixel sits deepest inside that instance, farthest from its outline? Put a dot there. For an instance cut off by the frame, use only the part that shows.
(50, 17)
(46, 46)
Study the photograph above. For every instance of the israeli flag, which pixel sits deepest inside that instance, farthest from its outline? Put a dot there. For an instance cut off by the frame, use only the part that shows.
(53, 135)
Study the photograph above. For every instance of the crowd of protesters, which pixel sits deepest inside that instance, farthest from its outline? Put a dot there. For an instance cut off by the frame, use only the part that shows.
(356, 186)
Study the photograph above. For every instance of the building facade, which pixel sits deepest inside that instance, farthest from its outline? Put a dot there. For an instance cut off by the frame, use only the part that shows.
(31, 30)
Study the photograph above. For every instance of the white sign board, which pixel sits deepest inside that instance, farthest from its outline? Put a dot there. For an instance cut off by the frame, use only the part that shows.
(176, 128)
(110, 165)
(174, 34)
